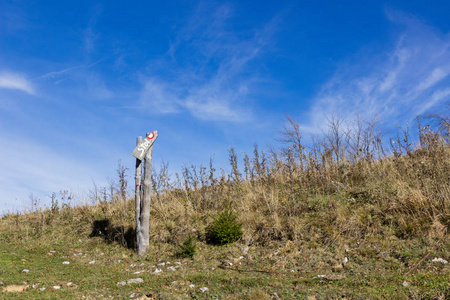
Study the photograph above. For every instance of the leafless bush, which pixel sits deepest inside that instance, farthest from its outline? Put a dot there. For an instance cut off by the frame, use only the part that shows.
(441, 121)
(363, 140)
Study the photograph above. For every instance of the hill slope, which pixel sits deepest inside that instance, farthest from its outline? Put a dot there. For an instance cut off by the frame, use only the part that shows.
(302, 214)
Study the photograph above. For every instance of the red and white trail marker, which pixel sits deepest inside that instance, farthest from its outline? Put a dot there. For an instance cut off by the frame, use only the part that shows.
(141, 149)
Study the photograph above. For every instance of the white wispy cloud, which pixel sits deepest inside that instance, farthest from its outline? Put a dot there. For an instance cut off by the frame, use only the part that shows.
(157, 97)
(407, 80)
(17, 82)
(214, 109)
(216, 82)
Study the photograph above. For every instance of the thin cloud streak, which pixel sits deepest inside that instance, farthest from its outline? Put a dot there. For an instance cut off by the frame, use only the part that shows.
(16, 82)
(408, 81)
(55, 75)
(95, 86)
(58, 74)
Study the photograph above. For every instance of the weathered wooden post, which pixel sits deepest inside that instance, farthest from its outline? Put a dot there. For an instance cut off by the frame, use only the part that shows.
(137, 192)
(143, 150)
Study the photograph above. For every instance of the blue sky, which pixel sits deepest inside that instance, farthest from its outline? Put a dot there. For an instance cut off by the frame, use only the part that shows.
(80, 80)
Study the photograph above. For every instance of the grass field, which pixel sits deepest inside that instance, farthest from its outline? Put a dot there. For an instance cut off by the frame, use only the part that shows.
(377, 269)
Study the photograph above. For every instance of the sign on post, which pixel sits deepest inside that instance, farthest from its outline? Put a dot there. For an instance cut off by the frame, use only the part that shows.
(141, 149)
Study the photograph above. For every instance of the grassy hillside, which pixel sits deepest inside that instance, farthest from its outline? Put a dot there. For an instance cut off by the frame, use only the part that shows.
(303, 210)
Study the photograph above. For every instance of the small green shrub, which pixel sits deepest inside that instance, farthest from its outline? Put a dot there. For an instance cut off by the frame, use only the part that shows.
(187, 248)
(225, 229)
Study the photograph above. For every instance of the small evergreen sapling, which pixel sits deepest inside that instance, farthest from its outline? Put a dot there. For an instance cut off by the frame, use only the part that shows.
(187, 248)
(225, 229)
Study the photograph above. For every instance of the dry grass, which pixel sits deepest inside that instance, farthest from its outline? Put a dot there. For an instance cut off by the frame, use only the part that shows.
(290, 194)
(341, 196)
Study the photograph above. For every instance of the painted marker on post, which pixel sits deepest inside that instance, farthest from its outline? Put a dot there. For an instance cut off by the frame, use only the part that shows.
(141, 149)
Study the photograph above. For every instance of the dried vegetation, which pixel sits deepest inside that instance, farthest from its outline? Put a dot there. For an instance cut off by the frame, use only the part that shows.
(345, 194)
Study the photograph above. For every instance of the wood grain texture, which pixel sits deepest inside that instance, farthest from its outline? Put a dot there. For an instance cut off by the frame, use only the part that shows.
(143, 234)
(137, 194)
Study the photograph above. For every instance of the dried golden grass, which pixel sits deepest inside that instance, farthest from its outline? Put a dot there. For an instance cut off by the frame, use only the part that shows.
(309, 196)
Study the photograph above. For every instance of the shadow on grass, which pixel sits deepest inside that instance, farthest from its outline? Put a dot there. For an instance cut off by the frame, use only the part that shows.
(104, 229)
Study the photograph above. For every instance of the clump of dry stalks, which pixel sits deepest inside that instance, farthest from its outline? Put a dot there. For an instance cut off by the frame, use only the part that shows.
(347, 184)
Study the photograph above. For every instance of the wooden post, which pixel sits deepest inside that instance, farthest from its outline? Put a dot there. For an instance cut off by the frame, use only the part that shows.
(144, 149)
(137, 194)
(146, 201)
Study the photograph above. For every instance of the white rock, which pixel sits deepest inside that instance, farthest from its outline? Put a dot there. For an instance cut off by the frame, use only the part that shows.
(162, 264)
(23, 259)
(132, 265)
(171, 268)
(132, 295)
(204, 289)
(69, 284)
(321, 276)
(135, 280)
(157, 271)
(405, 283)
(192, 286)
(25, 271)
(56, 287)
(65, 263)
(138, 272)
(440, 261)
(42, 289)
(344, 261)
(121, 283)
(92, 262)
(178, 263)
